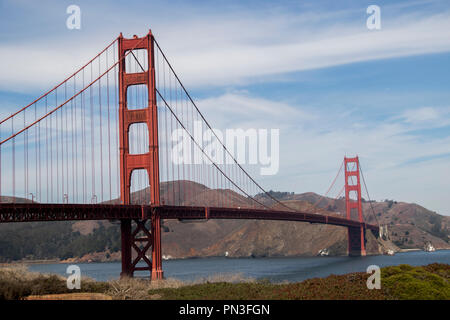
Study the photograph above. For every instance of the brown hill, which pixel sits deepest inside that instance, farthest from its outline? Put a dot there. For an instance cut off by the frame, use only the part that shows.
(237, 238)
(409, 225)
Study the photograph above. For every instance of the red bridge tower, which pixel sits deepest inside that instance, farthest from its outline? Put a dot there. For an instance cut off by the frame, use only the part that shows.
(356, 236)
(149, 161)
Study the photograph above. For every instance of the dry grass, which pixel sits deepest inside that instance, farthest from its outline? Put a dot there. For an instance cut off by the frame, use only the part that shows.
(18, 271)
(21, 271)
(129, 289)
(137, 289)
(71, 296)
(16, 282)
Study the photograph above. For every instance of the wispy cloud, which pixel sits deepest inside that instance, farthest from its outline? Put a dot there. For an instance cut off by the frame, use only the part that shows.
(427, 115)
(233, 47)
(346, 44)
(312, 146)
(248, 110)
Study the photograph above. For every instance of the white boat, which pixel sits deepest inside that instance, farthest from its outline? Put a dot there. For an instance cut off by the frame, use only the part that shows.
(429, 247)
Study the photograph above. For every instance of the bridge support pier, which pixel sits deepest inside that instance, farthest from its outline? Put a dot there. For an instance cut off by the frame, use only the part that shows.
(125, 234)
(142, 241)
(157, 272)
(356, 241)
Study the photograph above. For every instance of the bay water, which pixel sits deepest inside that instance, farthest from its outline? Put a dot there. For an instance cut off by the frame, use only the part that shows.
(290, 269)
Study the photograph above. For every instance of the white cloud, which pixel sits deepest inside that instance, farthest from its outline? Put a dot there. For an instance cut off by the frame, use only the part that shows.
(256, 112)
(224, 49)
(312, 146)
(236, 63)
(425, 115)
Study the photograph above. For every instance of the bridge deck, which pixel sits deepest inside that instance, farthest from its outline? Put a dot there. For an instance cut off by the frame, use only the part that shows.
(27, 212)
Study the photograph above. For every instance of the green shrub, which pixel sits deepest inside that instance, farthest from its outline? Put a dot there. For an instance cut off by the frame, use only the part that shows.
(425, 283)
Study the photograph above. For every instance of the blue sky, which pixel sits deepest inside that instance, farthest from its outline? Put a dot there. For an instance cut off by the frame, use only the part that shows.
(310, 68)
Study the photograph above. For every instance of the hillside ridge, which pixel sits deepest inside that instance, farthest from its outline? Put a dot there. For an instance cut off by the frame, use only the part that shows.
(409, 226)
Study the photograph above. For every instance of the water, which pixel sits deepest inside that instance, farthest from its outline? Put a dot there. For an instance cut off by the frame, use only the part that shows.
(274, 269)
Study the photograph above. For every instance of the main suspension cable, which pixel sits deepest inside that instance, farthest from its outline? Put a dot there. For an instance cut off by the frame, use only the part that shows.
(368, 196)
(209, 126)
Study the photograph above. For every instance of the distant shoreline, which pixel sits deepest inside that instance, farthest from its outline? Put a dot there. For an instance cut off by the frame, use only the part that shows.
(38, 261)
(74, 261)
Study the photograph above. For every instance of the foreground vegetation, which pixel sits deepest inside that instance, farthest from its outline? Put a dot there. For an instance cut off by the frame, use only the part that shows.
(17, 283)
(397, 282)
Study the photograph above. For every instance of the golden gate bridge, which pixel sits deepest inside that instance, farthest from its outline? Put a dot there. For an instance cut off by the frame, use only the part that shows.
(98, 146)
